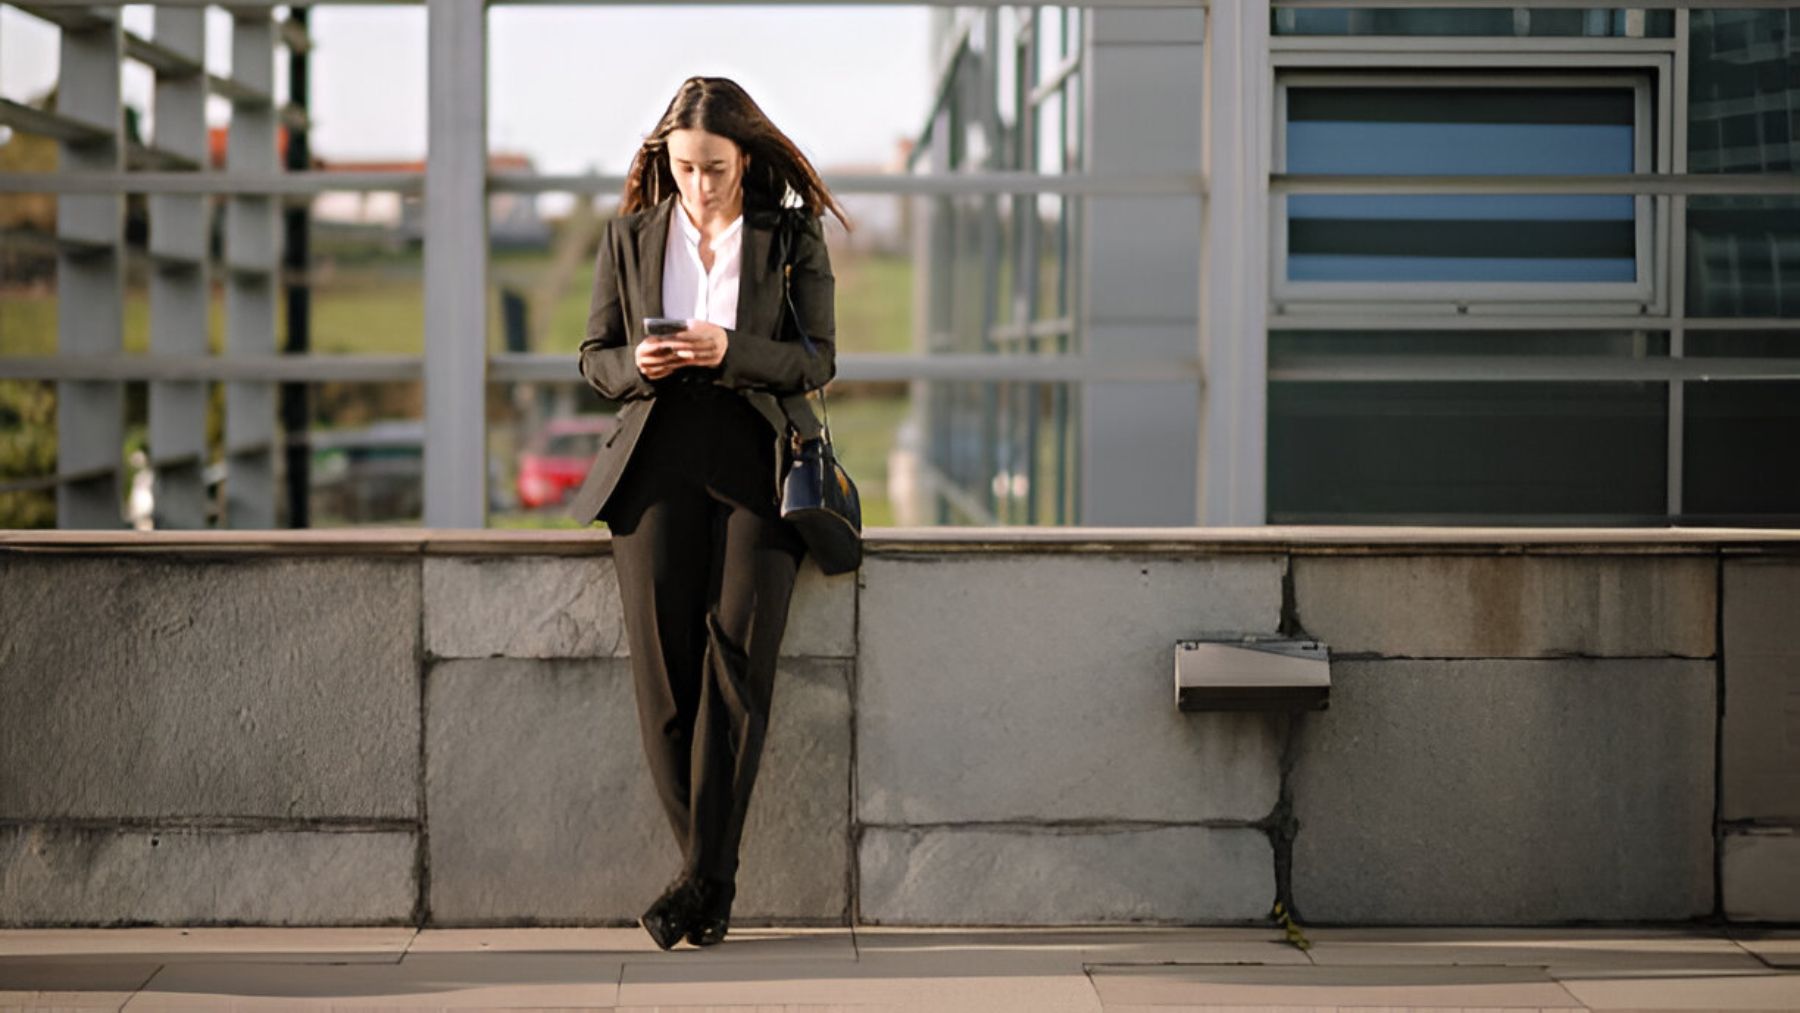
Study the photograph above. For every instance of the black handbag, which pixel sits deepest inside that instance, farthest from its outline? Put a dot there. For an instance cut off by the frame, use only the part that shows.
(817, 497)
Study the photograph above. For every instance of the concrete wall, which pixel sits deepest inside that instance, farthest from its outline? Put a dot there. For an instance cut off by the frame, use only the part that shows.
(978, 728)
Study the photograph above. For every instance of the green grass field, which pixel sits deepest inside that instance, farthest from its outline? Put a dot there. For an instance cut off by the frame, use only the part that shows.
(371, 302)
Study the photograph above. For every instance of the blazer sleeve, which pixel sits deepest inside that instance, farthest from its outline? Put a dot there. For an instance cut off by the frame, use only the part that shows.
(607, 362)
(756, 361)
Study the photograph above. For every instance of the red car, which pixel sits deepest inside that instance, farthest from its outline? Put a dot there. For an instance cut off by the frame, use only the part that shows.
(558, 456)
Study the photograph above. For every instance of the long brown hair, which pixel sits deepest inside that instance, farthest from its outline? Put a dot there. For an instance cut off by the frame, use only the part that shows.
(718, 105)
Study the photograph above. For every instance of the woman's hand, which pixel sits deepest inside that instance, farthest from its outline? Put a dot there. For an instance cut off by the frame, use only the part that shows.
(702, 344)
(703, 341)
(657, 357)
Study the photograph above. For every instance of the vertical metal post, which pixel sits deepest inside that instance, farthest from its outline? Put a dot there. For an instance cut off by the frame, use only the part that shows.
(1072, 138)
(180, 292)
(984, 81)
(456, 251)
(295, 408)
(1029, 66)
(1676, 269)
(1233, 337)
(251, 243)
(90, 414)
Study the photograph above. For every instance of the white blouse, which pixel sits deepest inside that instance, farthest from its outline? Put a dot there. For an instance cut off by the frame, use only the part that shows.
(689, 290)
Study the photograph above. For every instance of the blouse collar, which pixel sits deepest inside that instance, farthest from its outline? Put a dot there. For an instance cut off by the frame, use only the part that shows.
(692, 231)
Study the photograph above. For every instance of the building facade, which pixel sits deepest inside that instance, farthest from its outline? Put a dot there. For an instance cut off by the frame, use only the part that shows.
(1409, 283)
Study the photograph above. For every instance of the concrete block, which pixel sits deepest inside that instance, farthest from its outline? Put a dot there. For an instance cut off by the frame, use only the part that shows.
(134, 686)
(1761, 729)
(541, 807)
(1762, 875)
(1060, 876)
(522, 607)
(1041, 686)
(1509, 606)
(822, 616)
(557, 607)
(1506, 792)
(75, 875)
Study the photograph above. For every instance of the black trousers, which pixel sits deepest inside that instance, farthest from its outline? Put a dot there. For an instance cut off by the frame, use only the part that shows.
(706, 570)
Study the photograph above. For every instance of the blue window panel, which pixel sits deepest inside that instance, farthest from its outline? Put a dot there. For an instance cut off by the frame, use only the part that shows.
(1461, 237)
(1496, 149)
(1342, 268)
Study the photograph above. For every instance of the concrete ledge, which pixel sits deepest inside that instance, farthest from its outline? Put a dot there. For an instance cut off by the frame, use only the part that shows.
(1208, 540)
(60, 875)
(1061, 876)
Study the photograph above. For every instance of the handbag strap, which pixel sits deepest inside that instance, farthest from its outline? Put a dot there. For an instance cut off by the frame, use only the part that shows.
(796, 406)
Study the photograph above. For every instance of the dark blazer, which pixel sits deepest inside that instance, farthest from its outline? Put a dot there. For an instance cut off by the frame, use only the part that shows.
(773, 374)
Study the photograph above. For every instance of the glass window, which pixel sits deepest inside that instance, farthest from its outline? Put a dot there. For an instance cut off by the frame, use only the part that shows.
(1520, 22)
(1743, 252)
(1467, 453)
(1741, 435)
(1475, 245)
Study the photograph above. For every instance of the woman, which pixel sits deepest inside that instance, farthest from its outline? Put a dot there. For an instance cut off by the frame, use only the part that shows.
(688, 482)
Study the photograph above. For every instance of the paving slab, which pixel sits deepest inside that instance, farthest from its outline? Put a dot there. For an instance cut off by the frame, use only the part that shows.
(164, 944)
(36, 1002)
(1775, 946)
(1618, 949)
(42, 982)
(430, 980)
(1330, 987)
(746, 943)
(1084, 945)
(784, 983)
(1765, 990)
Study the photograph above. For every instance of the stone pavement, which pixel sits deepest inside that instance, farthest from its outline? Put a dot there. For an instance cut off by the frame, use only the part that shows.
(1125, 968)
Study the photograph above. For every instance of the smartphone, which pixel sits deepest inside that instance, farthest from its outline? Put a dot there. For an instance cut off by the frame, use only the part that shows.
(664, 325)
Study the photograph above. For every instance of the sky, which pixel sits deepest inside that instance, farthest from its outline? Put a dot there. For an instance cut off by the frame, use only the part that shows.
(576, 88)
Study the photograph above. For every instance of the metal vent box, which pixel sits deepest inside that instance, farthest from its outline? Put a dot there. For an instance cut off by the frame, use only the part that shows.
(1251, 673)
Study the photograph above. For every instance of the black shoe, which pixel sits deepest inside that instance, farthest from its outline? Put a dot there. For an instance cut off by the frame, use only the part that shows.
(714, 913)
(671, 915)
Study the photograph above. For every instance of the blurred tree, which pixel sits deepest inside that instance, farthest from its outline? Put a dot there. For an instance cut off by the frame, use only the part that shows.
(27, 450)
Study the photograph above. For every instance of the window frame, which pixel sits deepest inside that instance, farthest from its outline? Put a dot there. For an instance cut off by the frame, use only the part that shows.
(1647, 295)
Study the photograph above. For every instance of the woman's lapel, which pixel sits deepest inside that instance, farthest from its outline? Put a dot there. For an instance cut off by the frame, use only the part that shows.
(753, 272)
(652, 237)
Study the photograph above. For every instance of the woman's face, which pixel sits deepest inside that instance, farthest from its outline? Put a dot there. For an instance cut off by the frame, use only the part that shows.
(708, 170)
